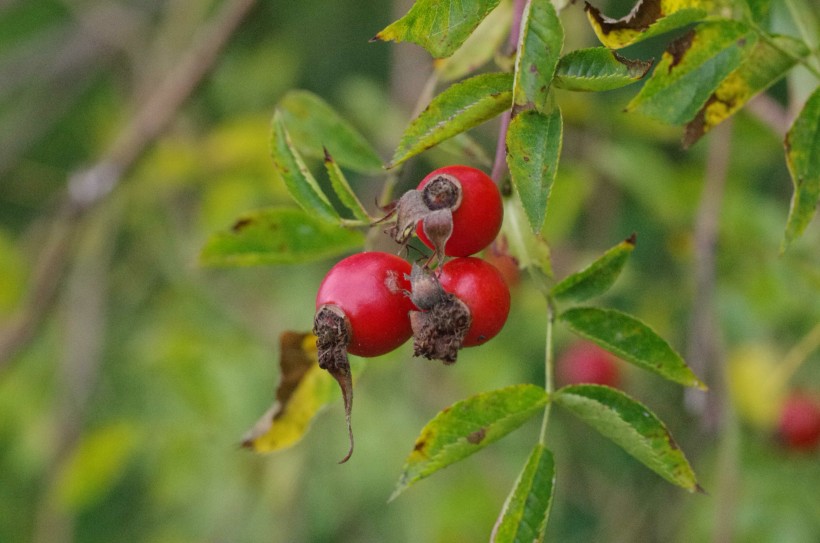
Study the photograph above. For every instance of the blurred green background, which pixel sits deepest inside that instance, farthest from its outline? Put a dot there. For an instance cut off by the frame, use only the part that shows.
(124, 399)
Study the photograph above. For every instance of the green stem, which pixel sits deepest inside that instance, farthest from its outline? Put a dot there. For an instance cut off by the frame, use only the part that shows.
(549, 384)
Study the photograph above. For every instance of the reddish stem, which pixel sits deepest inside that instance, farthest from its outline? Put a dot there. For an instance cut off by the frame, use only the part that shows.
(500, 161)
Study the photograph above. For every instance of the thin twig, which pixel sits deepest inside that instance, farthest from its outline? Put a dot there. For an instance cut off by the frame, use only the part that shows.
(89, 187)
(704, 349)
(500, 161)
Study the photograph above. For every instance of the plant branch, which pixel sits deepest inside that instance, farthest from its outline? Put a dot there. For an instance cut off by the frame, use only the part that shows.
(88, 187)
(549, 371)
(704, 344)
(500, 161)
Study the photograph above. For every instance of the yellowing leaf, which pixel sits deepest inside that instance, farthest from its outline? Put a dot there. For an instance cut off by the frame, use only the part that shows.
(648, 18)
(767, 62)
(304, 389)
(691, 69)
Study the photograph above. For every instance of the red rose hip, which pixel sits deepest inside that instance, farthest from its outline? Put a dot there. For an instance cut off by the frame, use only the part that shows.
(464, 304)
(456, 211)
(799, 426)
(361, 308)
(369, 289)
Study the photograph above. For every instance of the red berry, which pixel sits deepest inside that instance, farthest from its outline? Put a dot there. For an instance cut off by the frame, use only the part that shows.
(586, 362)
(369, 289)
(799, 426)
(465, 303)
(482, 288)
(477, 214)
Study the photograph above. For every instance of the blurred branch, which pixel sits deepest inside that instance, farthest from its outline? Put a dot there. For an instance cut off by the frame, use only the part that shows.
(88, 187)
(704, 349)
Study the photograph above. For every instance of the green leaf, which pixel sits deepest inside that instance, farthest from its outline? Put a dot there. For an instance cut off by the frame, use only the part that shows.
(278, 236)
(313, 126)
(480, 47)
(803, 159)
(461, 107)
(440, 26)
(533, 149)
(597, 69)
(467, 427)
(631, 340)
(539, 48)
(690, 70)
(633, 427)
(647, 19)
(767, 62)
(526, 511)
(598, 277)
(297, 178)
(342, 189)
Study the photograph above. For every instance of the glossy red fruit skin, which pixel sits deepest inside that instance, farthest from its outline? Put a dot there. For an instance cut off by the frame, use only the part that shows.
(477, 220)
(482, 288)
(586, 362)
(369, 288)
(799, 425)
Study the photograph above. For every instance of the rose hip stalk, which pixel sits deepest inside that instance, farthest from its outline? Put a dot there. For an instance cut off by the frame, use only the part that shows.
(362, 309)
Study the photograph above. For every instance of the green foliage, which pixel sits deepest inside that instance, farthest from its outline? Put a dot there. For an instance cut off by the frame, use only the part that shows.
(278, 236)
(439, 26)
(597, 69)
(314, 127)
(596, 278)
(534, 142)
(526, 512)
(803, 159)
(539, 48)
(468, 426)
(632, 426)
(630, 339)
(461, 107)
(691, 69)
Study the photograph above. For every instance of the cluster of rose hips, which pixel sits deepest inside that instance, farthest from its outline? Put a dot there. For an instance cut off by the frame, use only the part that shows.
(372, 302)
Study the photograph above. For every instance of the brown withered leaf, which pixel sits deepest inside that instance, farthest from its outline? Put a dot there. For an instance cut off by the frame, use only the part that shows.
(303, 390)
